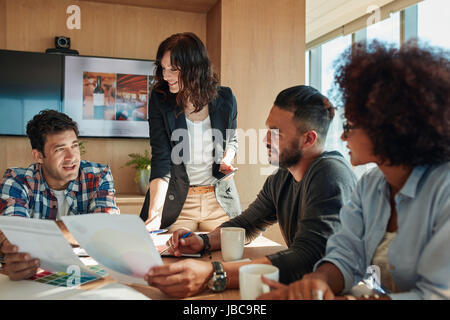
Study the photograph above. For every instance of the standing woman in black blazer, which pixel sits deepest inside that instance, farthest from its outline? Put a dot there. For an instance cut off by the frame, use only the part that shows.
(193, 140)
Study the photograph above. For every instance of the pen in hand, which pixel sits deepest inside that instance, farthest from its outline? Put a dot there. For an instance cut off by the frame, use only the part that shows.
(184, 236)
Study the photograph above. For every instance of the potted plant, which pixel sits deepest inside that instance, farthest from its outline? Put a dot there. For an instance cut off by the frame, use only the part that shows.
(142, 164)
(82, 146)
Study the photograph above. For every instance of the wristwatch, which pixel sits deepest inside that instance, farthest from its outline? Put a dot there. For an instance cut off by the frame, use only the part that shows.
(218, 282)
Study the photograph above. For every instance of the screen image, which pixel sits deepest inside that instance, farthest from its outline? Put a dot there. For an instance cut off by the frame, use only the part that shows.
(108, 97)
(99, 97)
(132, 97)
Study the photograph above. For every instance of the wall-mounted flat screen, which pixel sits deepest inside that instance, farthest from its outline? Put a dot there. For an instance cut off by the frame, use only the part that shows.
(29, 82)
(108, 97)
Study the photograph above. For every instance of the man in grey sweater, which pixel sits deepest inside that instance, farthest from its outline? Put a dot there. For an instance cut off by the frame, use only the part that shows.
(305, 196)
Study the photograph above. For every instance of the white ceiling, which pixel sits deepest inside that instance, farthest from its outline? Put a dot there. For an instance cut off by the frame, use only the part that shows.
(323, 16)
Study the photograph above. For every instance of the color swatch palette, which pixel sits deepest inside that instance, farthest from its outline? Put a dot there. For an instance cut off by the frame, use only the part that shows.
(62, 279)
(98, 269)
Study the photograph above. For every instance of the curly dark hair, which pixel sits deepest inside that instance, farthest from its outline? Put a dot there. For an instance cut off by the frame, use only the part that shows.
(189, 55)
(401, 98)
(48, 122)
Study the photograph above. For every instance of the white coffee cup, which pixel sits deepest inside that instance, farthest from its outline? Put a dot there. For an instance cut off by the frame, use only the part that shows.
(232, 242)
(250, 283)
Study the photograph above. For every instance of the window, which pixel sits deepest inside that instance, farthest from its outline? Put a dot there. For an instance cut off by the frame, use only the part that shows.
(429, 20)
(434, 22)
(387, 30)
(307, 68)
(331, 51)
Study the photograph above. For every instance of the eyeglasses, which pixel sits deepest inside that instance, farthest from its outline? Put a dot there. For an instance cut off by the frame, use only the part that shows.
(347, 127)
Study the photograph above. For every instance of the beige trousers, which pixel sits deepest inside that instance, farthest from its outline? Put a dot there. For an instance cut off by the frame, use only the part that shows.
(201, 212)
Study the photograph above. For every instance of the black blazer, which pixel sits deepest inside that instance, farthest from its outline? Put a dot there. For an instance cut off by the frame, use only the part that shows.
(163, 121)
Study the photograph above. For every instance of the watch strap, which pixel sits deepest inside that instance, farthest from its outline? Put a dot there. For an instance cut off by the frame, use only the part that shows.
(218, 267)
(206, 244)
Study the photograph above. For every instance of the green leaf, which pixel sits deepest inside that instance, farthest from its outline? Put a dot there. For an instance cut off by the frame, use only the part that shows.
(139, 161)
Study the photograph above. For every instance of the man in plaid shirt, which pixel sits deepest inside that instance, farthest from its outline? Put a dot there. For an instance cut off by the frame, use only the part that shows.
(58, 184)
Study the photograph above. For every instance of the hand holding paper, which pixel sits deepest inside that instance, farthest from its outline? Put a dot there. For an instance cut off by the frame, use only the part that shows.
(43, 240)
(120, 243)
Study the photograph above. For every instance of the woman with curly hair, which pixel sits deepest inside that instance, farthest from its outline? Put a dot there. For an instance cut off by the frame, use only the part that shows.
(193, 140)
(397, 223)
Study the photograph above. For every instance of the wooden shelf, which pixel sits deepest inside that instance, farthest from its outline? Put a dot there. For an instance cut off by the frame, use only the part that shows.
(129, 198)
(130, 203)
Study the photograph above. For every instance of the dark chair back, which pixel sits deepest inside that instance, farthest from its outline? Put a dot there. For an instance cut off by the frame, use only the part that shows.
(144, 211)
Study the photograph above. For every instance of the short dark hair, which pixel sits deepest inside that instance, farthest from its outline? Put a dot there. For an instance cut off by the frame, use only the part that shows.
(401, 98)
(189, 55)
(48, 122)
(312, 110)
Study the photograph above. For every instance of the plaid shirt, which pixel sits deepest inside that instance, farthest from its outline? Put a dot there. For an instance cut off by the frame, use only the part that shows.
(24, 192)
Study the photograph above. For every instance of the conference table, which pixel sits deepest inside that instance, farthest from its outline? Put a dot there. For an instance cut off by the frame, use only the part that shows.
(259, 247)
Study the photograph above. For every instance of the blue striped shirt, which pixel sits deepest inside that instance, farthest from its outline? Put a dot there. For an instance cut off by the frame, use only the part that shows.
(419, 255)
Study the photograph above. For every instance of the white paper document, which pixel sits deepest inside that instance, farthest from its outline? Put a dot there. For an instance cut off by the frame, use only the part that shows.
(42, 239)
(32, 290)
(120, 243)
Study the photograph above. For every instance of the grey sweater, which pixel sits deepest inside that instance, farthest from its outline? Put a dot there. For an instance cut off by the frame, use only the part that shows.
(307, 212)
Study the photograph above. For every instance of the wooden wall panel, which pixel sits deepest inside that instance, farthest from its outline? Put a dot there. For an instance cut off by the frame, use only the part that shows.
(2, 23)
(16, 152)
(106, 30)
(263, 52)
(214, 35)
(201, 6)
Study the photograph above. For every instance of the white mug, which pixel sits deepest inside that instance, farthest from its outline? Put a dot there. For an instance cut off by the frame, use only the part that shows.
(232, 242)
(250, 283)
